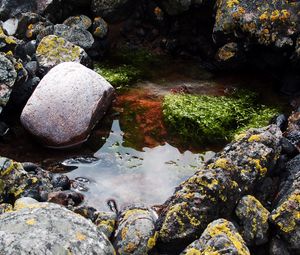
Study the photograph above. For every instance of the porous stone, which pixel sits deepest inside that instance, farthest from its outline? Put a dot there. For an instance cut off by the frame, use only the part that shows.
(220, 237)
(45, 228)
(214, 191)
(66, 105)
(53, 50)
(136, 231)
(253, 219)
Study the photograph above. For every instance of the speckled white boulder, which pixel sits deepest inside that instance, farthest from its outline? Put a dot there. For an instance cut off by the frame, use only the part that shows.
(66, 105)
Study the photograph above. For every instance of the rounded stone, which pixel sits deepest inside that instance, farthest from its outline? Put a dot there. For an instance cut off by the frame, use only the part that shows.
(53, 50)
(66, 105)
(100, 27)
(80, 21)
(45, 228)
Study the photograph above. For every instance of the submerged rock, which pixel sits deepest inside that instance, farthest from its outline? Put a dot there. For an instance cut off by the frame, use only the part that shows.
(253, 219)
(136, 231)
(45, 228)
(66, 105)
(214, 191)
(53, 50)
(220, 237)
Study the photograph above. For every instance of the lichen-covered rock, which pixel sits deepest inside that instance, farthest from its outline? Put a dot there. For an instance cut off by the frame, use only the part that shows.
(15, 182)
(5, 208)
(106, 222)
(8, 76)
(214, 191)
(136, 231)
(45, 228)
(66, 105)
(100, 27)
(220, 237)
(285, 216)
(75, 35)
(268, 22)
(53, 50)
(80, 21)
(7, 42)
(253, 218)
(112, 10)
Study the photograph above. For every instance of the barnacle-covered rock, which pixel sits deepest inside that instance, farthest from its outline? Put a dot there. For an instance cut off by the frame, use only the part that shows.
(286, 216)
(136, 231)
(268, 22)
(46, 228)
(53, 50)
(220, 237)
(214, 191)
(106, 222)
(253, 219)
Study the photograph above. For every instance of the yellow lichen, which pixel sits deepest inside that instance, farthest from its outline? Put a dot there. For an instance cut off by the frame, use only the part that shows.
(152, 241)
(80, 236)
(264, 16)
(274, 15)
(254, 138)
(129, 213)
(31, 222)
(192, 251)
(232, 3)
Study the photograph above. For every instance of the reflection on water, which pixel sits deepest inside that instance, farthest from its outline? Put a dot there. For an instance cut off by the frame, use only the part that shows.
(131, 176)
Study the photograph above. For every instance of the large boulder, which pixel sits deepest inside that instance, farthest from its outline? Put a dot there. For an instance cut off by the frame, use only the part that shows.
(53, 50)
(220, 237)
(214, 191)
(45, 228)
(66, 105)
(112, 10)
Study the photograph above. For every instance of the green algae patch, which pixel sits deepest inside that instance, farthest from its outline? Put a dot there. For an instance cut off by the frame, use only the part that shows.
(119, 76)
(203, 118)
(127, 66)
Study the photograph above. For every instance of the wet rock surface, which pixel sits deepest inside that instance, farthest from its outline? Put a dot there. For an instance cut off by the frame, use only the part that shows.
(40, 228)
(66, 105)
(220, 236)
(214, 191)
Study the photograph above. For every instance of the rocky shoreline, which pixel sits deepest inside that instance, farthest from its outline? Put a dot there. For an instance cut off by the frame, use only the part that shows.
(245, 200)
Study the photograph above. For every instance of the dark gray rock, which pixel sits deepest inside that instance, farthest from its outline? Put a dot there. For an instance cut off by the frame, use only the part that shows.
(220, 237)
(8, 77)
(112, 10)
(11, 8)
(214, 191)
(278, 247)
(100, 28)
(66, 105)
(253, 218)
(45, 228)
(136, 231)
(75, 35)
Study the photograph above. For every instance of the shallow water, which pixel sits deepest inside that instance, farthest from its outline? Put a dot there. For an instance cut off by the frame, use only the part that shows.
(131, 176)
(137, 159)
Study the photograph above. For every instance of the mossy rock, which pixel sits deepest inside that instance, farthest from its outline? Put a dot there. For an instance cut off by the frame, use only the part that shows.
(203, 118)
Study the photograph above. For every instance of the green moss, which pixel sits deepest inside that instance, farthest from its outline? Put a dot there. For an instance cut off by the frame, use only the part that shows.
(213, 119)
